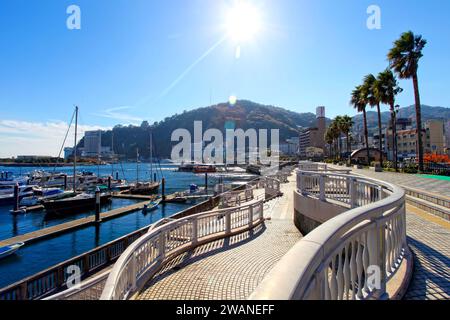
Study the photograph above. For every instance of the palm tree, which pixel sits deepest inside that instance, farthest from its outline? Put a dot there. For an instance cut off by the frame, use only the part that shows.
(404, 60)
(335, 133)
(337, 128)
(329, 139)
(386, 89)
(359, 102)
(370, 82)
(345, 125)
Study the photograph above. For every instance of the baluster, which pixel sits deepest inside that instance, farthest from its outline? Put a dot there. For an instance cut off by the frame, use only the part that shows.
(333, 281)
(347, 271)
(359, 265)
(326, 284)
(388, 248)
(340, 277)
(353, 273)
(365, 259)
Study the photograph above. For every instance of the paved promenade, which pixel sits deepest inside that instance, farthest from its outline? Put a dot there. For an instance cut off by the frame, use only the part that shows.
(230, 269)
(429, 240)
(441, 187)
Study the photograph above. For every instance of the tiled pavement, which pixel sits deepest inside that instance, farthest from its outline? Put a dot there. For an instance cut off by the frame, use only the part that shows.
(215, 272)
(229, 269)
(441, 187)
(430, 244)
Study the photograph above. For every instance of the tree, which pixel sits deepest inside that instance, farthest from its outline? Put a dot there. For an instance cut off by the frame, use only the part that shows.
(345, 125)
(359, 102)
(404, 60)
(329, 139)
(386, 89)
(371, 84)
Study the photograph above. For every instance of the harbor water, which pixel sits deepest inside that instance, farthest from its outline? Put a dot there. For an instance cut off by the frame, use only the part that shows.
(38, 256)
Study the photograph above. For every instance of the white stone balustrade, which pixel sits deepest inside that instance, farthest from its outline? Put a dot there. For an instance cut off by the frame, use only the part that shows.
(145, 257)
(351, 256)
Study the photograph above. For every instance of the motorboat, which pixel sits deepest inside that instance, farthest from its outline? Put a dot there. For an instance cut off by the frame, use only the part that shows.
(7, 178)
(153, 205)
(41, 194)
(144, 188)
(204, 168)
(9, 250)
(8, 198)
(80, 202)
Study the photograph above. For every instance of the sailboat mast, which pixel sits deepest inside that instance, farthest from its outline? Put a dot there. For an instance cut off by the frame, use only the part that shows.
(75, 151)
(112, 151)
(151, 157)
(137, 166)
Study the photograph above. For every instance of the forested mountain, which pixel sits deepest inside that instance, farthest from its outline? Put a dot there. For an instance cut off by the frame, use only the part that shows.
(244, 115)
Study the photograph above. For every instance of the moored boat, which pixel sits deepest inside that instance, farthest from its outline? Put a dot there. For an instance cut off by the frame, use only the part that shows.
(9, 250)
(83, 201)
(8, 198)
(144, 188)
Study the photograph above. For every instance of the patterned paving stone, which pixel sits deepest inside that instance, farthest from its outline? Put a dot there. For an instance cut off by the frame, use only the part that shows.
(409, 180)
(228, 269)
(430, 244)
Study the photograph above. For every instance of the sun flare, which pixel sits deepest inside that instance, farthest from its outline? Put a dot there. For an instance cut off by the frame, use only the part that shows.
(243, 21)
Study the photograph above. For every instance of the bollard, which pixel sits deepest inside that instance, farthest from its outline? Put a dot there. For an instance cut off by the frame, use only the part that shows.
(163, 189)
(16, 197)
(65, 182)
(97, 205)
(109, 183)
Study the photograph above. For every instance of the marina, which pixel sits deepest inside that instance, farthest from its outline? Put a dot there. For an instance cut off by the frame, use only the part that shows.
(51, 239)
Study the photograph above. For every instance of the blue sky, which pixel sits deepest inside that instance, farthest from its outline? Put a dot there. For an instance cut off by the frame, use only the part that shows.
(136, 59)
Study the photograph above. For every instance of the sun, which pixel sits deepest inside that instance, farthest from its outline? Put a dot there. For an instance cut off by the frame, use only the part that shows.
(243, 22)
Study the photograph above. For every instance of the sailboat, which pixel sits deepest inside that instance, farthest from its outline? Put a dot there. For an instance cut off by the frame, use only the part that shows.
(79, 201)
(145, 188)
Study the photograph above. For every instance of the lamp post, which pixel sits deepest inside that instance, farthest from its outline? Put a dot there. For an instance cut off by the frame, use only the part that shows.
(394, 132)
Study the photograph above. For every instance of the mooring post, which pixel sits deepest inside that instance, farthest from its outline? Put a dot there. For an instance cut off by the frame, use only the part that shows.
(206, 182)
(97, 205)
(16, 197)
(163, 189)
(65, 182)
(109, 183)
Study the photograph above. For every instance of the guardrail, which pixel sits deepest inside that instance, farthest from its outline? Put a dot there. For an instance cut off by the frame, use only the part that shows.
(55, 278)
(351, 256)
(236, 198)
(144, 258)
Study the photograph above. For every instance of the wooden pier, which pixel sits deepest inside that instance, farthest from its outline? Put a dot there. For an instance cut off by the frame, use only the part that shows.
(71, 225)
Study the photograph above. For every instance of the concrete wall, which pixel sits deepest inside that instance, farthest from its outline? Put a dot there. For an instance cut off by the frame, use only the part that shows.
(309, 213)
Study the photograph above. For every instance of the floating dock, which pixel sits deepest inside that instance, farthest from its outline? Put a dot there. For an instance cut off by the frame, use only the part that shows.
(71, 225)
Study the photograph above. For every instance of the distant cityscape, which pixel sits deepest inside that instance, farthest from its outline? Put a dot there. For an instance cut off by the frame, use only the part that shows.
(310, 142)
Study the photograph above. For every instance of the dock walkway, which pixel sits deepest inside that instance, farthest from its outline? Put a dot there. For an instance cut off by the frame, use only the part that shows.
(71, 225)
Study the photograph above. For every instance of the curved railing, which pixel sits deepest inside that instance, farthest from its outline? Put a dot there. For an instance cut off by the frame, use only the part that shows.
(351, 256)
(146, 256)
(237, 198)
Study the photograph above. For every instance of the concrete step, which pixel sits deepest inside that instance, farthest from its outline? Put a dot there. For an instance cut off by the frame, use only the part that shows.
(439, 200)
(428, 206)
